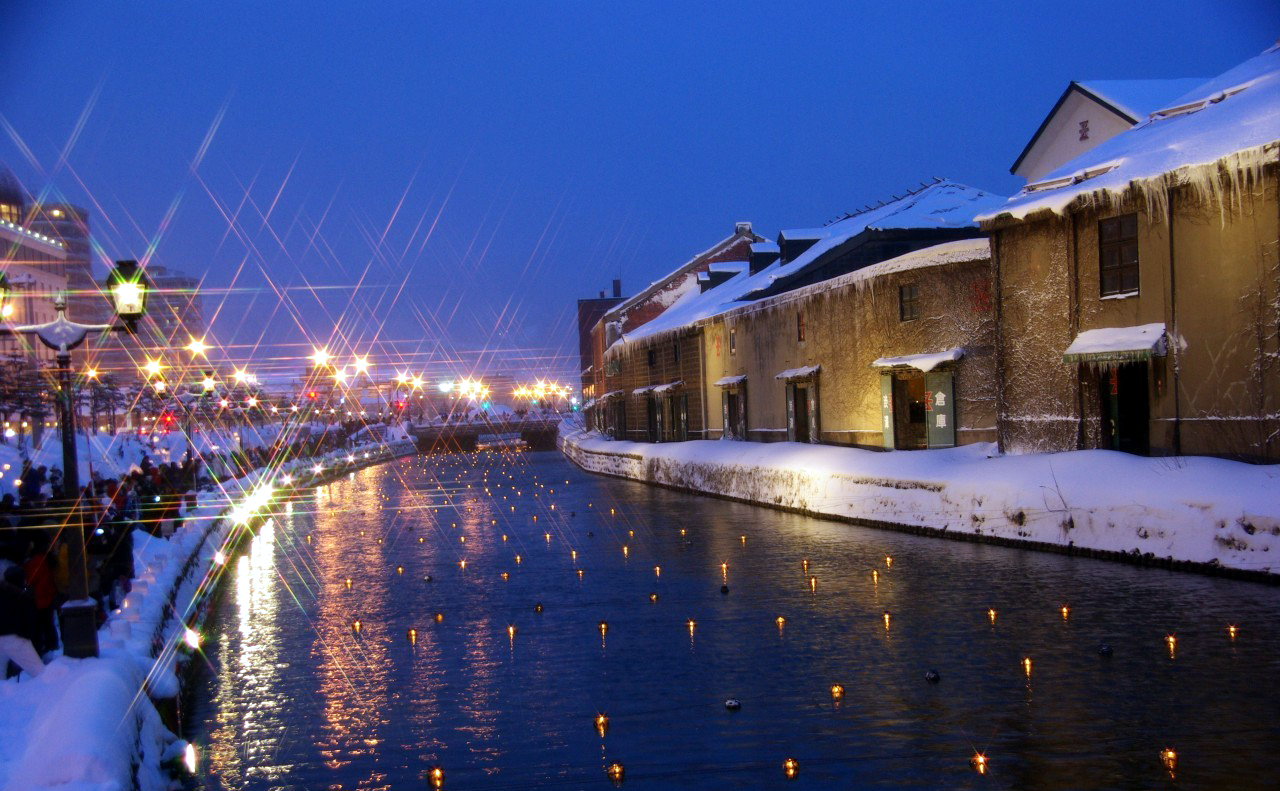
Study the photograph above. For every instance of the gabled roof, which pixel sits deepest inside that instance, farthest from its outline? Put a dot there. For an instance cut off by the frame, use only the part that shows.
(1131, 100)
(730, 296)
(683, 269)
(1236, 114)
(943, 204)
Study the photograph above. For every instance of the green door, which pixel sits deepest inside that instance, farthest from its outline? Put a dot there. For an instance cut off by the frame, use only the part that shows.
(940, 410)
(886, 409)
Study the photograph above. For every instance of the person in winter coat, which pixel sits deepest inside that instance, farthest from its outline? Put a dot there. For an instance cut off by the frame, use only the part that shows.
(17, 615)
(38, 571)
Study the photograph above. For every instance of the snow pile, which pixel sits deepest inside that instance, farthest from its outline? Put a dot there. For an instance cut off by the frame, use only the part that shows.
(1226, 126)
(1196, 509)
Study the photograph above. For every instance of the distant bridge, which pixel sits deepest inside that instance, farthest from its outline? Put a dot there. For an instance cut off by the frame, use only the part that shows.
(537, 433)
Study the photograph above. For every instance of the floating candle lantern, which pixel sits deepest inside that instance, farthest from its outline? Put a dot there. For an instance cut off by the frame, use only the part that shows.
(875, 577)
(780, 621)
(399, 569)
(1231, 631)
(1065, 612)
(347, 583)
(1026, 665)
(356, 626)
(462, 564)
(602, 724)
(436, 776)
(653, 597)
(813, 584)
(518, 560)
(657, 571)
(991, 615)
(615, 772)
(837, 691)
(979, 763)
(888, 562)
(691, 624)
(579, 574)
(790, 768)
(886, 620)
(505, 576)
(604, 627)
(1169, 759)
(1172, 643)
(413, 637)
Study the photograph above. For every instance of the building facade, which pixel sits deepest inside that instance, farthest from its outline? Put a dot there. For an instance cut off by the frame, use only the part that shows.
(1138, 286)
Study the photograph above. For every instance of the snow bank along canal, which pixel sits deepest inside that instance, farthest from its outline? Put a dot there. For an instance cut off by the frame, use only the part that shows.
(479, 613)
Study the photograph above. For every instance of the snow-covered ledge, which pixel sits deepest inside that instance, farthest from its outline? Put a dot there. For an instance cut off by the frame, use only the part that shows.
(1195, 512)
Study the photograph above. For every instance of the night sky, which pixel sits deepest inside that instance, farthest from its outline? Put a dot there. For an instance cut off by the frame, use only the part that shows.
(439, 182)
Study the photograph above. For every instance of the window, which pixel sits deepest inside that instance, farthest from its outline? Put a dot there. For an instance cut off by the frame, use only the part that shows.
(653, 357)
(799, 326)
(733, 341)
(675, 352)
(1118, 254)
(908, 303)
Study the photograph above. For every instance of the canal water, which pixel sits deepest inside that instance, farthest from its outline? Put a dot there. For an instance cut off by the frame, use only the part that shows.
(500, 696)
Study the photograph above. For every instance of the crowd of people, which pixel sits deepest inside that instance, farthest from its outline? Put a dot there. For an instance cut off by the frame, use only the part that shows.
(35, 531)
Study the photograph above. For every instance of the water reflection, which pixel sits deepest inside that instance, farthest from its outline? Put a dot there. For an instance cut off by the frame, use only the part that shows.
(505, 687)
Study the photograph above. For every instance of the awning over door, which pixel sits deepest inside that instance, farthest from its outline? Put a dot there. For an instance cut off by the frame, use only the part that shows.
(731, 381)
(660, 389)
(795, 374)
(611, 394)
(1117, 345)
(920, 362)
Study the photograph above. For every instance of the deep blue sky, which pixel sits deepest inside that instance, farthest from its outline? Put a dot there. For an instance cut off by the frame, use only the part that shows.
(550, 146)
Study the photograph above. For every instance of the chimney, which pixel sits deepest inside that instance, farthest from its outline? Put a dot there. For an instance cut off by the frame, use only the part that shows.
(617, 288)
(742, 228)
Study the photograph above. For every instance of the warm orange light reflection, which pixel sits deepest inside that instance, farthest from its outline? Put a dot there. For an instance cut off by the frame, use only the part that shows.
(602, 724)
(1026, 665)
(1231, 631)
(979, 763)
(991, 615)
(790, 768)
(837, 691)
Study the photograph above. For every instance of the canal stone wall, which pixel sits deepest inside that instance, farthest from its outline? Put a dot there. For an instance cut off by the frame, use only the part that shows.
(1199, 514)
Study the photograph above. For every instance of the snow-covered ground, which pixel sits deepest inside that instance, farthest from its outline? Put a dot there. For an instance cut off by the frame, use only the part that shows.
(89, 724)
(1195, 509)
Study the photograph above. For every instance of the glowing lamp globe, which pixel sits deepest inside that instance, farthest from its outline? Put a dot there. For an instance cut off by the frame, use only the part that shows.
(127, 285)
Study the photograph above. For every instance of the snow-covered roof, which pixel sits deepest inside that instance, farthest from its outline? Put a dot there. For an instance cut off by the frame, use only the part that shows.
(798, 373)
(730, 381)
(728, 296)
(659, 284)
(765, 247)
(610, 394)
(1117, 344)
(805, 233)
(669, 386)
(642, 390)
(727, 267)
(920, 362)
(1234, 116)
(1139, 98)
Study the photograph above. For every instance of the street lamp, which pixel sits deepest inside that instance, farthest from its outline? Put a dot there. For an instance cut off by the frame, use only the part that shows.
(128, 286)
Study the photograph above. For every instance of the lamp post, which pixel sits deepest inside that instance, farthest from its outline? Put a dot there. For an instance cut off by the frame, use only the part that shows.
(127, 286)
